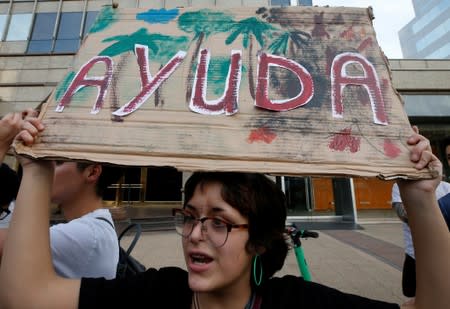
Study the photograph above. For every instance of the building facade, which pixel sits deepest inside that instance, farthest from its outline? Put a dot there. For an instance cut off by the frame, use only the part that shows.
(40, 38)
(427, 35)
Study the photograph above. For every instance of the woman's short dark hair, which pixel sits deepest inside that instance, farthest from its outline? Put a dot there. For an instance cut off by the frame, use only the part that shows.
(259, 199)
(9, 182)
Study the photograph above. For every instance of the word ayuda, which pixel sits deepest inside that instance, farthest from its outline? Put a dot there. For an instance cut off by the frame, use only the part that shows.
(228, 102)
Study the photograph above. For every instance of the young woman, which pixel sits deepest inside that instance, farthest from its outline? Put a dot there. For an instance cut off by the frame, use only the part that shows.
(232, 227)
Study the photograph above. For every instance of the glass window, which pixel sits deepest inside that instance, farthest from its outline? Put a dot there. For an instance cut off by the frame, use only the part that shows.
(42, 35)
(19, 27)
(163, 184)
(69, 26)
(430, 105)
(281, 2)
(90, 18)
(68, 37)
(2, 24)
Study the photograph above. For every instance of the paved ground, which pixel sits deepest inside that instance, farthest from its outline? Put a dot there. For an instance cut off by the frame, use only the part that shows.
(365, 261)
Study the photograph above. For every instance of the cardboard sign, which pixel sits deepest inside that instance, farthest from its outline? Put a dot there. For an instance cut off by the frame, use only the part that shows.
(291, 91)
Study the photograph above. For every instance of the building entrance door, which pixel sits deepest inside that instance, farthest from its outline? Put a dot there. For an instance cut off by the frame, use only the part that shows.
(298, 196)
(318, 198)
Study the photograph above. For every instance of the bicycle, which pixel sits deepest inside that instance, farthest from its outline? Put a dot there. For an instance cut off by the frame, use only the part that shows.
(295, 234)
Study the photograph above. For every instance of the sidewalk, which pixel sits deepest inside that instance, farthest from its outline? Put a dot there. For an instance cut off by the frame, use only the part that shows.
(365, 261)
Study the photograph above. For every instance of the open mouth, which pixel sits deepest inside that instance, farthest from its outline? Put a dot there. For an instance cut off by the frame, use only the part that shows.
(200, 259)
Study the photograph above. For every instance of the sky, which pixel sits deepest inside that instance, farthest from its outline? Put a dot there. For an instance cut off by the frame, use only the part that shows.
(390, 17)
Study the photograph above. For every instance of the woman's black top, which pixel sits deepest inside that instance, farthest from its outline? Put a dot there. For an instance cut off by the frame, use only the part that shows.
(168, 288)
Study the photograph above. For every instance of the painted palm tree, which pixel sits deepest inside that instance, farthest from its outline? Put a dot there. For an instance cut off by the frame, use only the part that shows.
(160, 46)
(249, 28)
(289, 40)
(202, 24)
(106, 17)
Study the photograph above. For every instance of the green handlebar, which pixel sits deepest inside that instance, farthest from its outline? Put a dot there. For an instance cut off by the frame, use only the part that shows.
(300, 255)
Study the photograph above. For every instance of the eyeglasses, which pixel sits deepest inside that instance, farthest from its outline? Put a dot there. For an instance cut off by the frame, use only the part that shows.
(216, 230)
(4, 213)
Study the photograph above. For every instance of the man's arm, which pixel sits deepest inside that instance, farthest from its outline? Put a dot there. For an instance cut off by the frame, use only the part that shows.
(429, 231)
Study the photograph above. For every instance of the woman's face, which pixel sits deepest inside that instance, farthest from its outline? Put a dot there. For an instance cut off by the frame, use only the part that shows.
(214, 268)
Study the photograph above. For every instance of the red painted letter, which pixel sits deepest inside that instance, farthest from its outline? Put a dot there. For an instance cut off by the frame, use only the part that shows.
(148, 83)
(228, 102)
(340, 79)
(81, 80)
(262, 97)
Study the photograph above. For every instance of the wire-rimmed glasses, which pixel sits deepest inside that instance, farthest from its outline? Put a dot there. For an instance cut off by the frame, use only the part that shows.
(216, 230)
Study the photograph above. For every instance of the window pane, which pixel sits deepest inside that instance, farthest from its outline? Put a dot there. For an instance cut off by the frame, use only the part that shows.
(66, 46)
(2, 23)
(90, 18)
(42, 35)
(41, 46)
(427, 105)
(43, 26)
(67, 39)
(69, 26)
(19, 27)
(281, 2)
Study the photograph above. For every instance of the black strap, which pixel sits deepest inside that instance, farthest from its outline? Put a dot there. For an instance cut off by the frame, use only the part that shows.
(106, 220)
(131, 225)
(136, 236)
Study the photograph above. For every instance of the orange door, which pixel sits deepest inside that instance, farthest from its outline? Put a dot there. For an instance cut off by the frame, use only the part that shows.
(372, 193)
(322, 194)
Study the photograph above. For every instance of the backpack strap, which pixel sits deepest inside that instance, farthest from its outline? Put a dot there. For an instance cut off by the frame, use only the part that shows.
(130, 226)
(106, 220)
(138, 228)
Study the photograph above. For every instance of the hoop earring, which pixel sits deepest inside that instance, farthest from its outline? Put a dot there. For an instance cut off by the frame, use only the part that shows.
(256, 259)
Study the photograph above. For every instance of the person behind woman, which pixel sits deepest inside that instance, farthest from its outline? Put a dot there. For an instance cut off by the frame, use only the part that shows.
(9, 182)
(232, 227)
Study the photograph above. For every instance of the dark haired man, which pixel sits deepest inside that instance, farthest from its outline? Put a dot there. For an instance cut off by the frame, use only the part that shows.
(9, 184)
(446, 146)
(85, 244)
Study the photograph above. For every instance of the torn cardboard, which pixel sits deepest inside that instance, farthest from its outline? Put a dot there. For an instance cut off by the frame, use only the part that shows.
(290, 91)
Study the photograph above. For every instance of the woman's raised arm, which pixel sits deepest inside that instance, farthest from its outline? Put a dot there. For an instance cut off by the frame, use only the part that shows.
(27, 277)
(429, 231)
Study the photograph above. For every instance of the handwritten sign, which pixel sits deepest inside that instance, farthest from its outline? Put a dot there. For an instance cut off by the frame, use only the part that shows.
(293, 91)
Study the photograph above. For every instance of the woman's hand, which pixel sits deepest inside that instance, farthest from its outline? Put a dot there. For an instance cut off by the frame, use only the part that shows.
(31, 127)
(422, 157)
(428, 229)
(10, 126)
